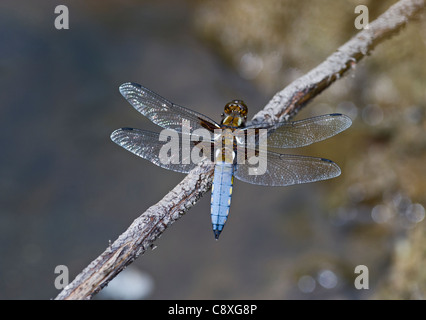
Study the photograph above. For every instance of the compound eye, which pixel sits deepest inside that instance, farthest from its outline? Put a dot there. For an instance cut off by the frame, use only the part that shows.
(243, 108)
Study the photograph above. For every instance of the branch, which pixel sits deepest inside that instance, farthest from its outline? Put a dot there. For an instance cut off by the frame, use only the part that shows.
(141, 234)
(284, 105)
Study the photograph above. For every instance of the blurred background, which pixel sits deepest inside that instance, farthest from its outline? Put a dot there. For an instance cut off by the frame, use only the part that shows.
(66, 190)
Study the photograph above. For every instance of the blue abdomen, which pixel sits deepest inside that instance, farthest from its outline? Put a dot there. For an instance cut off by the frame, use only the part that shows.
(221, 195)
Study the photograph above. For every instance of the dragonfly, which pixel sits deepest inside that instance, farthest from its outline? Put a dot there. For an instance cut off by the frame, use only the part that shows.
(228, 144)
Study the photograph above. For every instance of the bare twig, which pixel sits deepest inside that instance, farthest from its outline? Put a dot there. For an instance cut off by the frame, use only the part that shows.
(285, 104)
(141, 234)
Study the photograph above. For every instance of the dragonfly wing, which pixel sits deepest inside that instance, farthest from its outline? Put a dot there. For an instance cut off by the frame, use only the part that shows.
(303, 132)
(161, 111)
(148, 145)
(287, 169)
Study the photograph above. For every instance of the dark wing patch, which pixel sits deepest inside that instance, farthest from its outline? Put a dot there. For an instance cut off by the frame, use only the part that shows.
(161, 111)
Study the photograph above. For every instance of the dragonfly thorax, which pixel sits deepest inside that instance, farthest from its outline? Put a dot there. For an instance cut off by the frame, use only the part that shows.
(225, 147)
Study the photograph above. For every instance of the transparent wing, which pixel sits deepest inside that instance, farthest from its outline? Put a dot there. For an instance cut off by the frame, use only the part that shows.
(286, 169)
(162, 112)
(147, 145)
(303, 132)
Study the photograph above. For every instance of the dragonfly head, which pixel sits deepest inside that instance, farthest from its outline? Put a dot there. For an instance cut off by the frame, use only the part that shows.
(235, 113)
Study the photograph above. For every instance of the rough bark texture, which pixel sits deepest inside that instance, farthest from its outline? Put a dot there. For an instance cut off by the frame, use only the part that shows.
(284, 105)
(140, 235)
